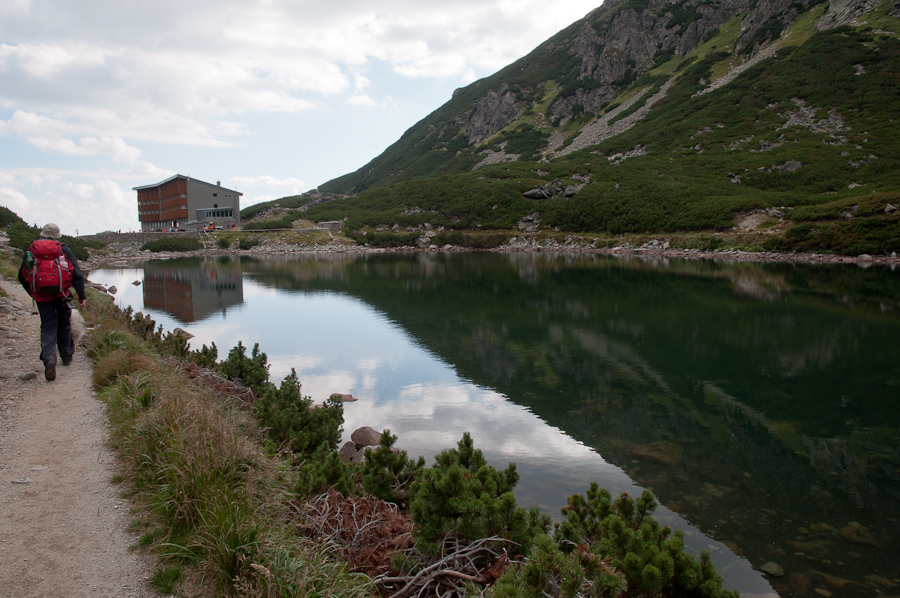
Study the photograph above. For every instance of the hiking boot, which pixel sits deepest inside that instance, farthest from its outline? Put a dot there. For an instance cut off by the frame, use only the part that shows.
(67, 361)
(50, 372)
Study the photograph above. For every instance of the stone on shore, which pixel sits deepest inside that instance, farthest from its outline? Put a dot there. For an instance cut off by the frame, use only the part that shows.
(345, 398)
(365, 436)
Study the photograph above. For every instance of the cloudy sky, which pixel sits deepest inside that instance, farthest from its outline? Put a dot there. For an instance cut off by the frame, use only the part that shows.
(272, 97)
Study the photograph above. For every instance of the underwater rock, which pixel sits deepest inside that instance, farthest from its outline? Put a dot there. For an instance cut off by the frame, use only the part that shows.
(773, 569)
(857, 533)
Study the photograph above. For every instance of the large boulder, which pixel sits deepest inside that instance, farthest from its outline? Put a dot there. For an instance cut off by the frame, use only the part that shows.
(348, 452)
(365, 436)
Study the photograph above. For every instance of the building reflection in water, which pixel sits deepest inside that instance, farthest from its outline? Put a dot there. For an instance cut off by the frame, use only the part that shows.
(191, 291)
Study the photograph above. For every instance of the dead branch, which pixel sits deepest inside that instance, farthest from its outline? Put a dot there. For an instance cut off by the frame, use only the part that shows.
(450, 570)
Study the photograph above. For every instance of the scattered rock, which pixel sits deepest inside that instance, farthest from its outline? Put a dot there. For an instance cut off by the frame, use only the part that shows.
(882, 581)
(773, 569)
(112, 290)
(181, 332)
(137, 283)
(801, 583)
(22, 481)
(348, 452)
(11, 332)
(365, 436)
(834, 580)
(662, 453)
(891, 207)
(27, 376)
(856, 533)
(345, 398)
(530, 223)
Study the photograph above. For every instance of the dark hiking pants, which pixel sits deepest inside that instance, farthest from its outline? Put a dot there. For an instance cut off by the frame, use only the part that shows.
(56, 330)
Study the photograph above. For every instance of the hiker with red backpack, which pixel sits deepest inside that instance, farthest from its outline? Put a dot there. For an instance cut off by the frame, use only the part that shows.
(48, 272)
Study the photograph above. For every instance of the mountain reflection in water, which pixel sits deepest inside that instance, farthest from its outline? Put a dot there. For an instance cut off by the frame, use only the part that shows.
(759, 402)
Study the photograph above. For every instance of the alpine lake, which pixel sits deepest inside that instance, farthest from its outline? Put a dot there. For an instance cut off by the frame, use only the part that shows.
(759, 402)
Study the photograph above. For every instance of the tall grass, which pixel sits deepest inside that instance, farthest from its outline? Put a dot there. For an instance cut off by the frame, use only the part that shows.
(217, 504)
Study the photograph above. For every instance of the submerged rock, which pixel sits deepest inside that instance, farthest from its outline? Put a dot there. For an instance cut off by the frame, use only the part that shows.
(856, 533)
(773, 569)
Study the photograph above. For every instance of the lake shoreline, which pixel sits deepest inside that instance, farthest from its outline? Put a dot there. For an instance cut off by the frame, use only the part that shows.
(732, 255)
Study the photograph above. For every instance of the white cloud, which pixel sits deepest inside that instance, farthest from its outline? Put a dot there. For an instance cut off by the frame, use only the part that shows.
(129, 92)
(266, 181)
(14, 199)
(361, 82)
(362, 100)
(84, 207)
(14, 7)
(46, 60)
(265, 188)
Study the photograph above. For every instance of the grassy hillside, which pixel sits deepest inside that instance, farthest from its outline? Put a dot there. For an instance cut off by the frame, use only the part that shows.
(811, 132)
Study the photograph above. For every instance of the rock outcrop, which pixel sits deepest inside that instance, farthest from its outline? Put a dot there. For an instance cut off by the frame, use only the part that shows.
(842, 12)
(496, 110)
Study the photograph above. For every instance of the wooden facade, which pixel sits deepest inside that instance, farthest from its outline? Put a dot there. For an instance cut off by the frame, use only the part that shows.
(181, 202)
(163, 202)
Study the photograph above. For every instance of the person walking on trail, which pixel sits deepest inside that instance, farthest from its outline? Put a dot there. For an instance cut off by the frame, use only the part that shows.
(50, 262)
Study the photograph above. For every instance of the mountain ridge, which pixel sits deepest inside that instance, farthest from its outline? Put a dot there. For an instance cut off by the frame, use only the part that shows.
(656, 116)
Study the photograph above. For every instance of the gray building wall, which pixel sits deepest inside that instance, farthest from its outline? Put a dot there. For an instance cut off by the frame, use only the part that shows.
(213, 203)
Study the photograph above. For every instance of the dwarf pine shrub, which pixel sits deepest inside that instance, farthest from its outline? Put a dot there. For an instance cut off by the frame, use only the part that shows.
(388, 473)
(252, 371)
(650, 556)
(172, 244)
(551, 572)
(292, 422)
(462, 499)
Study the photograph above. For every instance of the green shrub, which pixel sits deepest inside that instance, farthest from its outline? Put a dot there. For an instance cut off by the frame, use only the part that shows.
(206, 357)
(252, 371)
(21, 235)
(285, 222)
(462, 499)
(321, 471)
(385, 239)
(223, 243)
(293, 423)
(177, 244)
(245, 243)
(388, 473)
(471, 240)
(524, 140)
(650, 556)
(551, 572)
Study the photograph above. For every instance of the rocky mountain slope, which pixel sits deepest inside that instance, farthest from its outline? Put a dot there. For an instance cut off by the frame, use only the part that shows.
(616, 54)
(661, 116)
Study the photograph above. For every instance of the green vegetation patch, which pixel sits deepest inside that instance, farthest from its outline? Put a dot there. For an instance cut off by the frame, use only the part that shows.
(177, 244)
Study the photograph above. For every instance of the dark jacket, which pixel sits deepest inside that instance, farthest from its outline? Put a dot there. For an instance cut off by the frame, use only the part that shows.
(77, 278)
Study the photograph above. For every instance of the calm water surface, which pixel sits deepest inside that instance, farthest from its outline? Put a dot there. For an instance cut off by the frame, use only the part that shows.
(760, 403)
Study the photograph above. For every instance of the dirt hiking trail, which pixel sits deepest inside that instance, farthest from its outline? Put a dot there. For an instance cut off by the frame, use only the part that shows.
(62, 519)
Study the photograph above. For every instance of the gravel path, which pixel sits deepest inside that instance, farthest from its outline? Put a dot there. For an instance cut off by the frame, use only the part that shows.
(62, 520)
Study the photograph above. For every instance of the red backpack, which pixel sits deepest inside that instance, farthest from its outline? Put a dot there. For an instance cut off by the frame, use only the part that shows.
(51, 272)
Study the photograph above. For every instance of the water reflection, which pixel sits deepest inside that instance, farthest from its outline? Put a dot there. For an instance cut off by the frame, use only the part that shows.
(759, 402)
(191, 290)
